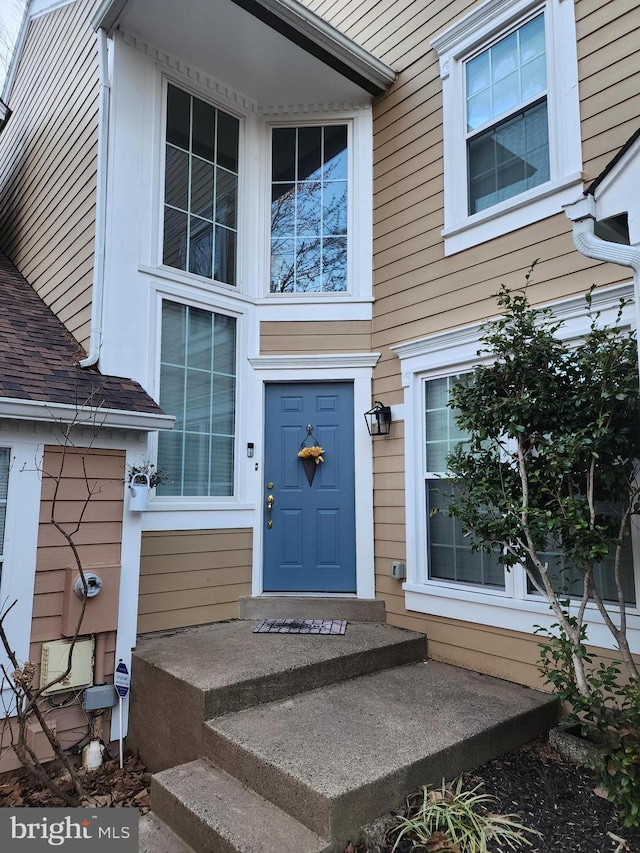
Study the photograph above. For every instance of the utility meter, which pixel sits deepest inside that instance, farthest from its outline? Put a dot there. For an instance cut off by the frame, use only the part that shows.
(94, 585)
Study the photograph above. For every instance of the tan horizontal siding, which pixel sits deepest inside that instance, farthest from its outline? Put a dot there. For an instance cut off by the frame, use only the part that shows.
(48, 157)
(192, 577)
(419, 291)
(83, 491)
(314, 336)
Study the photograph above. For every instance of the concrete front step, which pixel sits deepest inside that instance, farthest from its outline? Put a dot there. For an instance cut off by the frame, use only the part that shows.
(196, 674)
(214, 813)
(156, 837)
(340, 756)
(312, 607)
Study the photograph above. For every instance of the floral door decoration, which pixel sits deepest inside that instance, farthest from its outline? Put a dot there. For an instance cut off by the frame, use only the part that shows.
(310, 454)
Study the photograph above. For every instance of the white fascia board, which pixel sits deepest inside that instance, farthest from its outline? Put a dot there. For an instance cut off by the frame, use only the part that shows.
(106, 15)
(38, 410)
(301, 19)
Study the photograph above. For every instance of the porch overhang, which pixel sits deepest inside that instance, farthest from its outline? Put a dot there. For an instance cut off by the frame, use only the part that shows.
(271, 50)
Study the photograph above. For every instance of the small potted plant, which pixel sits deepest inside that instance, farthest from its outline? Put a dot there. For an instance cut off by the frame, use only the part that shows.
(142, 478)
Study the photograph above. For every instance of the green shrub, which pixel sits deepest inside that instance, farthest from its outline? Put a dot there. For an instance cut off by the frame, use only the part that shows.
(453, 819)
(610, 716)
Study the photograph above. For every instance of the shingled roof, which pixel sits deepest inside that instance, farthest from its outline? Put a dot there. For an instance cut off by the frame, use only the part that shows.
(39, 357)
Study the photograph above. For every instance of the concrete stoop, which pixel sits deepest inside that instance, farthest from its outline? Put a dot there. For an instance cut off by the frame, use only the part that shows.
(303, 765)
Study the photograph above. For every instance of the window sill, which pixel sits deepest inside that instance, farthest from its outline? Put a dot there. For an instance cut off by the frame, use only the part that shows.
(205, 284)
(176, 504)
(499, 611)
(517, 212)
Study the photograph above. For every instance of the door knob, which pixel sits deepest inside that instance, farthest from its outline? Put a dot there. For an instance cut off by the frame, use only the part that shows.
(270, 502)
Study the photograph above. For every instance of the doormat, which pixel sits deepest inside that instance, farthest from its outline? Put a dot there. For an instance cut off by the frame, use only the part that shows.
(301, 626)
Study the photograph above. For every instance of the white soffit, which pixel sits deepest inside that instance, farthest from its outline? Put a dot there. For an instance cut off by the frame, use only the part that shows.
(271, 50)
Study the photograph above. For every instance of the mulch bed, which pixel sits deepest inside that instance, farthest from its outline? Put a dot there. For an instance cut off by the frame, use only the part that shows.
(550, 796)
(109, 786)
(547, 794)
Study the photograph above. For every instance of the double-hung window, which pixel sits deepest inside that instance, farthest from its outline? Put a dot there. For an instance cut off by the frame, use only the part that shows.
(201, 188)
(506, 115)
(309, 198)
(197, 385)
(511, 118)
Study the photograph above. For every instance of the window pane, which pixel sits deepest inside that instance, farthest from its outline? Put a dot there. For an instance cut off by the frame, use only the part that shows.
(222, 465)
(200, 339)
(178, 117)
(200, 246)
(170, 460)
(226, 198)
(520, 152)
(5, 459)
(309, 216)
(283, 154)
(202, 188)
(283, 210)
(174, 339)
(308, 254)
(228, 136)
(568, 582)
(172, 392)
(204, 129)
(309, 153)
(334, 208)
(196, 184)
(198, 402)
(335, 153)
(225, 267)
(450, 554)
(196, 464)
(202, 397)
(224, 344)
(506, 75)
(282, 266)
(175, 239)
(309, 210)
(442, 431)
(334, 264)
(176, 189)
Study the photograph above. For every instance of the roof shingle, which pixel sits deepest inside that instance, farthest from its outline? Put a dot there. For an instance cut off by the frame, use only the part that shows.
(39, 356)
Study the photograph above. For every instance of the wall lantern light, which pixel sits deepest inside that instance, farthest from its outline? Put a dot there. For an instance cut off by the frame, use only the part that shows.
(378, 419)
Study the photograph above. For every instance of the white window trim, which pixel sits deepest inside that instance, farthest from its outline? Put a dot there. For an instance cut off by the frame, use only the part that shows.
(513, 608)
(359, 208)
(20, 544)
(164, 292)
(206, 98)
(480, 27)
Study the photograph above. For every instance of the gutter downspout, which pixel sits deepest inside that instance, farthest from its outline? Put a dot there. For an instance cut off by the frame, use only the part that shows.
(97, 291)
(583, 215)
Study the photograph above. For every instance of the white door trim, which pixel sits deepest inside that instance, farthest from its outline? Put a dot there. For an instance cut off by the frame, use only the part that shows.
(356, 368)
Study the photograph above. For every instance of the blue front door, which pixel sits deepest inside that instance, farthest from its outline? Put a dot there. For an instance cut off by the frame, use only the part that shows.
(309, 544)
